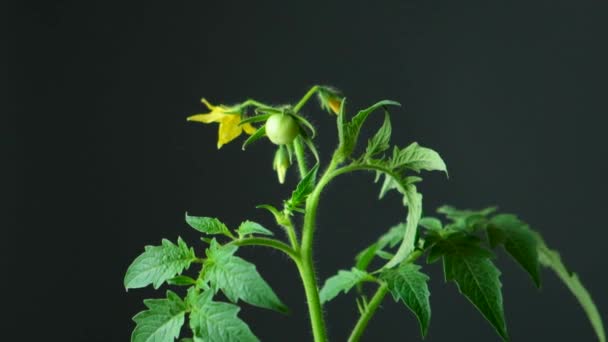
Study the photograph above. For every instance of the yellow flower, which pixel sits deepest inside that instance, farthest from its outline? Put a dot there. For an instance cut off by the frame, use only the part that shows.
(334, 104)
(229, 123)
(330, 98)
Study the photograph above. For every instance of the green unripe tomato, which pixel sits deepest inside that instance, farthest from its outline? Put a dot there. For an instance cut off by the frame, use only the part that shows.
(281, 129)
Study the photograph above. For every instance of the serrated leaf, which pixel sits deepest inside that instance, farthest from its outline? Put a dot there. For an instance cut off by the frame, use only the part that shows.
(380, 141)
(365, 257)
(551, 259)
(393, 236)
(519, 240)
(431, 223)
(212, 321)
(467, 221)
(385, 255)
(162, 321)
(343, 281)
(238, 279)
(409, 285)
(393, 181)
(159, 263)
(207, 225)
(304, 188)
(417, 158)
(456, 214)
(250, 227)
(350, 130)
(181, 281)
(469, 266)
(414, 212)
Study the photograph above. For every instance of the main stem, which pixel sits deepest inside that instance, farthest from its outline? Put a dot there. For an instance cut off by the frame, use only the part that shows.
(305, 265)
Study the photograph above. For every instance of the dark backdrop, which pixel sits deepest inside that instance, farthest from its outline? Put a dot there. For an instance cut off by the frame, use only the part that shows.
(100, 160)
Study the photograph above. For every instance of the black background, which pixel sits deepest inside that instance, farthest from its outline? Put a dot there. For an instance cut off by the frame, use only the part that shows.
(100, 160)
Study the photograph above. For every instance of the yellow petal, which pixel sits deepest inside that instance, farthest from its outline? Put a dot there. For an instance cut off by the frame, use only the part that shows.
(335, 104)
(248, 128)
(209, 105)
(229, 129)
(214, 116)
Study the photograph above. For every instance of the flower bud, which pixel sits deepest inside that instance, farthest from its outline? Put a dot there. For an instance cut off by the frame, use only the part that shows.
(330, 99)
(281, 163)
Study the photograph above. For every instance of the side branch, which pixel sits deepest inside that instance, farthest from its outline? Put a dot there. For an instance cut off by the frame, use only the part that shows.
(272, 243)
(370, 310)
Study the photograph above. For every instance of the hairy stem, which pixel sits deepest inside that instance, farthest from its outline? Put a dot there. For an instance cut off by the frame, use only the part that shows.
(252, 102)
(378, 297)
(291, 234)
(305, 98)
(267, 242)
(369, 312)
(305, 266)
(309, 280)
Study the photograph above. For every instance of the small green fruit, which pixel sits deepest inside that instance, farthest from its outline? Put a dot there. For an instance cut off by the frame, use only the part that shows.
(281, 129)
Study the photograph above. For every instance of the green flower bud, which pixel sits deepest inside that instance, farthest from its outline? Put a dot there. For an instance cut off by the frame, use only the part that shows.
(281, 163)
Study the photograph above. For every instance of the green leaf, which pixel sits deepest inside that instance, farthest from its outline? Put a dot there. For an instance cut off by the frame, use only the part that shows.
(238, 279)
(551, 259)
(181, 281)
(207, 225)
(304, 188)
(467, 221)
(519, 240)
(162, 321)
(457, 214)
(365, 257)
(350, 131)
(342, 281)
(385, 255)
(380, 141)
(217, 321)
(417, 158)
(414, 203)
(259, 133)
(469, 266)
(393, 236)
(431, 223)
(394, 181)
(159, 263)
(250, 227)
(409, 285)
